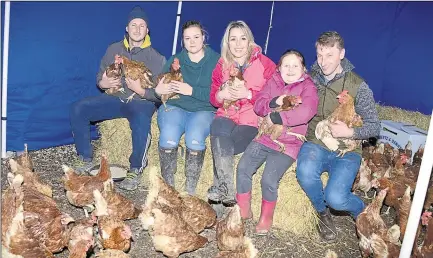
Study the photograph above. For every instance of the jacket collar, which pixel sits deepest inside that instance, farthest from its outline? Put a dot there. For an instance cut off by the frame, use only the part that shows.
(318, 75)
(279, 79)
(146, 42)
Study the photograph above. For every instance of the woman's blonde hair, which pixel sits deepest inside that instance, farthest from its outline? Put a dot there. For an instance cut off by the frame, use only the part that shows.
(225, 51)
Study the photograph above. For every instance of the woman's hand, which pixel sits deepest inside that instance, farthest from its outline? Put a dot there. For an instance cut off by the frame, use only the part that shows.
(239, 91)
(163, 88)
(224, 94)
(181, 88)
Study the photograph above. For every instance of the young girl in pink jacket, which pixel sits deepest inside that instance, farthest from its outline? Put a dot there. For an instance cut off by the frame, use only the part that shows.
(290, 78)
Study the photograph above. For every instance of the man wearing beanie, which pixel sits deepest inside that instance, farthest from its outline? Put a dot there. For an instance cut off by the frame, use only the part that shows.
(136, 46)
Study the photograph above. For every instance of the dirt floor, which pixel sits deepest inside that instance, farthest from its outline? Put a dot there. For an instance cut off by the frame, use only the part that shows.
(278, 244)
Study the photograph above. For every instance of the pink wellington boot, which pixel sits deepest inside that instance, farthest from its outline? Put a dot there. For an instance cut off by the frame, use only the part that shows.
(266, 217)
(244, 202)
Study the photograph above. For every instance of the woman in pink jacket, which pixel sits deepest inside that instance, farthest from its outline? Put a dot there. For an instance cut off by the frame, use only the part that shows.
(233, 129)
(290, 79)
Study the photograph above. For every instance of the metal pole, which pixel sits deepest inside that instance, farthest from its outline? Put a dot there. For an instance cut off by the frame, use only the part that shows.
(269, 29)
(5, 78)
(176, 32)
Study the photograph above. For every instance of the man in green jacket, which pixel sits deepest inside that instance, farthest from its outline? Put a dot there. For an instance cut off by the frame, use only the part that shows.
(333, 73)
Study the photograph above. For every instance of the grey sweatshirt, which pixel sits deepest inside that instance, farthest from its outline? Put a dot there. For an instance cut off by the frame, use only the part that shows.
(148, 55)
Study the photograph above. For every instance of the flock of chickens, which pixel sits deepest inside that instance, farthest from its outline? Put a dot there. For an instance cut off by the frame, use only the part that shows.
(390, 172)
(33, 225)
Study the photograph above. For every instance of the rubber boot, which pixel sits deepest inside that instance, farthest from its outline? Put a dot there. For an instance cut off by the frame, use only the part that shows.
(244, 202)
(223, 154)
(193, 166)
(168, 163)
(266, 217)
(326, 226)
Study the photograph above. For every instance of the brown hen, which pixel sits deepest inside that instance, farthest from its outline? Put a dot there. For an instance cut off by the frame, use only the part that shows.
(159, 192)
(234, 80)
(230, 231)
(31, 179)
(114, 71)
(197, 213)
(16, 239)
(79, 188)
(171, 234)
(174, 74)
(248, 251)
(81, 237)
(369, 222)
(118, 205)
(113, 232)
(136, 70)
(275, 130)
(345, 112)
(47, 223)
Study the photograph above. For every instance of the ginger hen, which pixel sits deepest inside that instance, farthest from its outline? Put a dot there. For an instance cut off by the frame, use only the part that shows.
(171, 234)
(113, 232)
(230, 231)
(275, 130)
(197, 213)
(174, 74)
(31, 179)
(118, 205)
(114, 71)
(136, 70)
(81, 237)
(369, 222)
(17, 241)
(345, 112)
(235, 78)
(79, 188)
(44, 219)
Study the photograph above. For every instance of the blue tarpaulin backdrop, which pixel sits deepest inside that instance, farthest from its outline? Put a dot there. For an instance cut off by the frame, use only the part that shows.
(55, 50)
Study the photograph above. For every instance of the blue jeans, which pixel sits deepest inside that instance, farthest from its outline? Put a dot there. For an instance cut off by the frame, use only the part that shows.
(174, 122)
(103, 107)
(313, 160)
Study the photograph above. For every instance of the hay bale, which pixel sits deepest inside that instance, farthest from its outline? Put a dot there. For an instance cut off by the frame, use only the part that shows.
(400, 115)
(294, 212)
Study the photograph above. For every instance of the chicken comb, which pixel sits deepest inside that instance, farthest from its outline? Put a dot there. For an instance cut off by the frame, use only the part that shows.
(118, 59)
(176, 64)
(233, 70)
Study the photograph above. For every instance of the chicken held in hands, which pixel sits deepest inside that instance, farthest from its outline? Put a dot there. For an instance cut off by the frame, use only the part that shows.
(114, 71)
(275, 130)
(234, 81)
(345, 112)
(135, 70)
(174, 74)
